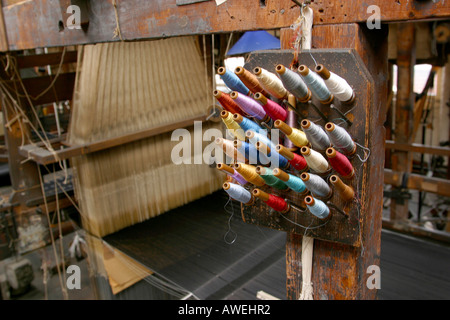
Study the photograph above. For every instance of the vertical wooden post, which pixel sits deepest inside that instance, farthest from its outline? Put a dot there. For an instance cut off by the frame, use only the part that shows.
(340, 271)
(24, 174)
(404, 115)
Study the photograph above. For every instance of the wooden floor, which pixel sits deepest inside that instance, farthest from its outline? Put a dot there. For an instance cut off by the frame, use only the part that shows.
(189, 247)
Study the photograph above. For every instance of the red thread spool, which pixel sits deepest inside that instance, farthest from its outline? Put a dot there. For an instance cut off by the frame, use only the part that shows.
(227, 103)
(275, 202)
(297, 161)
(273, 109)
(340, 163)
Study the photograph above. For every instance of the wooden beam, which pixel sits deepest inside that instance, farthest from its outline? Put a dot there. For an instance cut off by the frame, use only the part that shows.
(419, 148)
(340, 271)
(44, 156)
(49, 59)
(402, 160)
(418, 182)
(32, 24)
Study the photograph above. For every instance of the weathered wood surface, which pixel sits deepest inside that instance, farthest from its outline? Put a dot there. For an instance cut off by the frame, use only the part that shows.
(339, 270)
(404, 109)
(40, 23)
(339, 228)
(43, 156)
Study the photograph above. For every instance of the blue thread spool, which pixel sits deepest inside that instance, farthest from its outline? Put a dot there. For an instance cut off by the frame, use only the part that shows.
(254, 137)
(232, 81)
(251, 153)
(316, 84)
(238, 193)
(276, 159)
(317, 207)
(293, 182)
(246, 124)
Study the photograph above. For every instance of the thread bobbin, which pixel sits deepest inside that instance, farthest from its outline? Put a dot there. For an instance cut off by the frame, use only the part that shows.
(311, 202)
(306, 177)
(227, 185)
(250, 80)
(331, 129)
(250, 106)
(316, 162)
(340, 163)
(344, 191)
(325, 74)
(305, 72)
(275, 202)
(293, 87)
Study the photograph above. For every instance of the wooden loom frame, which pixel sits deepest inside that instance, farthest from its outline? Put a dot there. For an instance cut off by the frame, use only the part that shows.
(335, 27)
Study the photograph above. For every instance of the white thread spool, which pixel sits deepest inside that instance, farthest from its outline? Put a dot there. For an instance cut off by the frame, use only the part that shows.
(337, 85)
(315, 160)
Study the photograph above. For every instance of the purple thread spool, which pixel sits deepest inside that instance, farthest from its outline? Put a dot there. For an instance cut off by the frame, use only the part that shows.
(249, 105)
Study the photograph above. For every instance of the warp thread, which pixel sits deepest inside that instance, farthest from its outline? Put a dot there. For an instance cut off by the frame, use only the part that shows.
(293, 83)
(232, 81)
(340, 138)
(315, 160)
(316, 84)
(249, 105)
(316, 185)
(271, 83)
(316, 135)
(317, 207)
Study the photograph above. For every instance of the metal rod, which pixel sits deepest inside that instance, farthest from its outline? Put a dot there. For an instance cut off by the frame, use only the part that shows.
(318, 111)
(341, 114)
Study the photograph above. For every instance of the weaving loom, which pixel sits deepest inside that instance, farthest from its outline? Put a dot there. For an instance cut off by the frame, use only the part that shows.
(123, 88)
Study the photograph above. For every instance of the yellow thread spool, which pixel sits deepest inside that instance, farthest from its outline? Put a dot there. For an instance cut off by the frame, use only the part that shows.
(233, 126)
(249, 173)
(297, 137)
